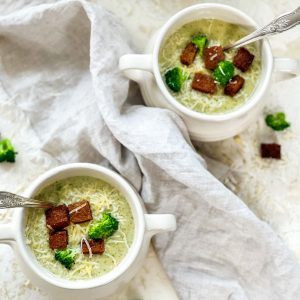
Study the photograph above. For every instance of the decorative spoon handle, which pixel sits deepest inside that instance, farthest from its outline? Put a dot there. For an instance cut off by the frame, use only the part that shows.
(9, 200)
(280, 24)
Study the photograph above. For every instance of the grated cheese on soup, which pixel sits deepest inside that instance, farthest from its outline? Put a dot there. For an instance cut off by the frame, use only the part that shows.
(218, 33)
(102, 196)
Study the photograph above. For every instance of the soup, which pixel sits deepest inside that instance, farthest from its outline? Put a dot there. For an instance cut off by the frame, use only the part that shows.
(103, 199)
(214, 98)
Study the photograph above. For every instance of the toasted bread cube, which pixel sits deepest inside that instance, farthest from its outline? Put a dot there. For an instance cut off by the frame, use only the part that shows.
(212, 56)
(58, 240)
(270, 151)
(204, 83)
(57, 217)
(188, 54)
(80, 212)
(243, 59)
(97, 246)
(234, 85)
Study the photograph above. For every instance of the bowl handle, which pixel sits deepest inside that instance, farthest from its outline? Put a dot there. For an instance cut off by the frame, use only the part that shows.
(288, 67)
(133, 65)
(158, 223)
(7, 235)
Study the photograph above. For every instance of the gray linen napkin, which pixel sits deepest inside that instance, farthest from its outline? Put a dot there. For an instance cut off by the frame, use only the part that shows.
(59, 65)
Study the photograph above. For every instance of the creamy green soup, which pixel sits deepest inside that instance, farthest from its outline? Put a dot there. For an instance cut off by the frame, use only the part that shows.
(102, 197)
(218, 33)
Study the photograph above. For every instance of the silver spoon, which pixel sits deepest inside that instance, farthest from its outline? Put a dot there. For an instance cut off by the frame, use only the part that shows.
(9, 200)
(280, 24)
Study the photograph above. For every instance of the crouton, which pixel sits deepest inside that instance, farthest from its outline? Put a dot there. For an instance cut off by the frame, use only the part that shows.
(57, 217)
(234, 85)
(243, 59)
(97, 246)
(58, 240)
(270, 151)
(212, 56)
(204, 83)
(188, 54)
(80, 212)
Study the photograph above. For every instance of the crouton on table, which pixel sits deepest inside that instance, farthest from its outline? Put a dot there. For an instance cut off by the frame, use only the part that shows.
(270, 151)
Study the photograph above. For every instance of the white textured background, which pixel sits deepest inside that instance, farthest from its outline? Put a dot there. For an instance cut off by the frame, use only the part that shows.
(271, 188)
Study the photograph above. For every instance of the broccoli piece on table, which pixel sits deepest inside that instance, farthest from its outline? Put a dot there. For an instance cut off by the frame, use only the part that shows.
(277, 121)
(104, 228)
(200, 40)
(223, 72)
(7, 151)
(65, 257)
(175, 78)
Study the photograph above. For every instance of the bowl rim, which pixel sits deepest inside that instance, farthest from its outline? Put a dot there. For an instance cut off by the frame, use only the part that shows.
(133, 252)
(256, 96)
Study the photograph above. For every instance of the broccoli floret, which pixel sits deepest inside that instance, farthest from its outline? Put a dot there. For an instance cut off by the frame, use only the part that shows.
(277, 121)
(223, 72)
(200, 40)
(65, 257)
(175, 78)
(7, 151)
(104, 228)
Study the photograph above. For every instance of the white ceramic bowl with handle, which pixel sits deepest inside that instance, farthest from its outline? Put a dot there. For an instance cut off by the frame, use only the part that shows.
(146, 225)
(144, 69)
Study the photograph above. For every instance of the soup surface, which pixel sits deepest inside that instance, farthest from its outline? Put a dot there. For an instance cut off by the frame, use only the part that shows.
(218, 33)
(102, 197)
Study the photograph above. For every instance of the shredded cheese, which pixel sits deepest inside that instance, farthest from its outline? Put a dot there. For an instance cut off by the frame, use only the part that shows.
(50, 227)
(217, 103)
(88, 246)
(111, 257)
(221, 70)
(213, 56)
(101, 197)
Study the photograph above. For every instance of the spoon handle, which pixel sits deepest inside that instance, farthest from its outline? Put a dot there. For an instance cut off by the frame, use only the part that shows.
(9, 200)
(280, 24)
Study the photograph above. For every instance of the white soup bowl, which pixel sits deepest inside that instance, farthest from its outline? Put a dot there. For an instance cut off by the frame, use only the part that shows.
(144, 69)
(146, 225)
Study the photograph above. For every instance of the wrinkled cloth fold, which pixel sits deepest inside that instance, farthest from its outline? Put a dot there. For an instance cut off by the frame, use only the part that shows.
(59, 70)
